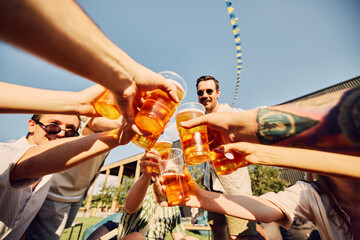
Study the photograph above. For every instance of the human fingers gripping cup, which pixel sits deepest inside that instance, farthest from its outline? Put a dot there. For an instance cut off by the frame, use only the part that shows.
(227, 158)
(194, 141)
(164, 142)
(224, 163)
(149, 159)
(157, 110)
(171, 167)
(244, 153)
(194, 191)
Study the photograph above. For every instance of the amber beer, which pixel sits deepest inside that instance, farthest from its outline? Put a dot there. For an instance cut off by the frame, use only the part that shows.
(171, 167)
(159, 146)
(153, 117)
(240, 160)
(222, 164)
(177, 189)
(105, 105)
(156, 111)
(194, 141)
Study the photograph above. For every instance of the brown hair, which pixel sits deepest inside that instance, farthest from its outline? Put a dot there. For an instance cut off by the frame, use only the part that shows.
(324, 186)
(207, 78)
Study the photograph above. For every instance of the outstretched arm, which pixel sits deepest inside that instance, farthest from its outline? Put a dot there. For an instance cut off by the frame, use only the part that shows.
(62, 33)
(320, 162)
(21, 99)
(64, 153)
(329, 123)
(136, 195)
(245, 207)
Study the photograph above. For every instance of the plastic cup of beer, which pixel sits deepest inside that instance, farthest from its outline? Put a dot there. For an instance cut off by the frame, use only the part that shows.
(240, 160)
(157, 110)
(224, 163)
(172, 171)
(164, 142)
(194, 141)
(106, 106)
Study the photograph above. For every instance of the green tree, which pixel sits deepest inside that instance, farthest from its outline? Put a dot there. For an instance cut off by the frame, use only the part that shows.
(120, 193)
(266, 179)
(108, 195)
(197, 173)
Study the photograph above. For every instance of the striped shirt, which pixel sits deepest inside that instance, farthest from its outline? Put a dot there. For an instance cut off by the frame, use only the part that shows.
(167, 219)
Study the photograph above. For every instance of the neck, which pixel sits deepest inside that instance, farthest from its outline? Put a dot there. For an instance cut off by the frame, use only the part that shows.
(30, 140)
(215, 109)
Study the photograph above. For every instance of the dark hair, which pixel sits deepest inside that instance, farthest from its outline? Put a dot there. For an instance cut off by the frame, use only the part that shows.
(324, 186)
(35, 117)
(207, 78)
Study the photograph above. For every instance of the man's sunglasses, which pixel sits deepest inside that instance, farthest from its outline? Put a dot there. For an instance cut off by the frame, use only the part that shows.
(201, 92)
(53, 128)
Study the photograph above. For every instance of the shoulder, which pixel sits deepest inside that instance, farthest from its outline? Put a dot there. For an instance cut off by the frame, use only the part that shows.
(14, 145)
(300, 188)
(298, 201)
(10, 153)
(224, 107)
(300, 194)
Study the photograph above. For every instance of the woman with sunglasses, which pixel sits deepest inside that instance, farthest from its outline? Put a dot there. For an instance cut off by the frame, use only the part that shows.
(26, 166)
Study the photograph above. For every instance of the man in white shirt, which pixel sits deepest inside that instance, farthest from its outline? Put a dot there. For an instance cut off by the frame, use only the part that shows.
(238, 182)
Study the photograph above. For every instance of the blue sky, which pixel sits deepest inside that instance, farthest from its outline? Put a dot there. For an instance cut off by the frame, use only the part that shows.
(290, 48)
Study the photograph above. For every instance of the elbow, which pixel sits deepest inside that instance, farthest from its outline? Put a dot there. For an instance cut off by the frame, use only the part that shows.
(130, 208)
(273, 216)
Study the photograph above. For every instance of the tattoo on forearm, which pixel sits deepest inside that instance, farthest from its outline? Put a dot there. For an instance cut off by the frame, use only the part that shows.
(275, 125)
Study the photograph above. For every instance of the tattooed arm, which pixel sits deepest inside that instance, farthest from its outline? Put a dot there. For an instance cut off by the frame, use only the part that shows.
(330, 123)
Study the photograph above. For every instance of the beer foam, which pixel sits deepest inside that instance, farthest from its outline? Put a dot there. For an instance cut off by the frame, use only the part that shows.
(172, 173)
(191, 110)
(163, 141)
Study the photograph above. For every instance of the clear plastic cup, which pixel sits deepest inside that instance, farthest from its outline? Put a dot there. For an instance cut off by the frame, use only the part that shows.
(172, 171)
(157, 110)
(194, 141)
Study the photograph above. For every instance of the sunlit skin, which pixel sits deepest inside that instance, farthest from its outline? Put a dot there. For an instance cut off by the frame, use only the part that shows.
(210, 102)
(39, 26)
(38, 135)
(137, 192)
(49, 156)
(323, 123)
(21, 99)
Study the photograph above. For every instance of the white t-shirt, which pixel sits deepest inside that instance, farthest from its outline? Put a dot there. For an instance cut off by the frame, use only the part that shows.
(70, 185)
(18, 202)
(235, 183)
(303, 201)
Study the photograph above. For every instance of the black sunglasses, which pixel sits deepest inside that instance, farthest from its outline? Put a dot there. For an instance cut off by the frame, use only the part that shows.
(208, 91)
(53, 128)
